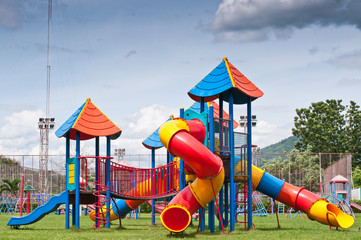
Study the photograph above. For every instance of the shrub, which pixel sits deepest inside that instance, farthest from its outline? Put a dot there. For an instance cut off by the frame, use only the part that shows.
(145, 208)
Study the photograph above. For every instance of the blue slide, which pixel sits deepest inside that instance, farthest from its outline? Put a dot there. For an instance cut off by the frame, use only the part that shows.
(40, 212)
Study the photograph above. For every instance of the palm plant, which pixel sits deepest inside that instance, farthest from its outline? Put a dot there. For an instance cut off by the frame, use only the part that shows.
(10, 186)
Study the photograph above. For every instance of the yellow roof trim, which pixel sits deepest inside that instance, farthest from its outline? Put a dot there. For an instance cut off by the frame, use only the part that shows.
(229, 71)
(77, 119)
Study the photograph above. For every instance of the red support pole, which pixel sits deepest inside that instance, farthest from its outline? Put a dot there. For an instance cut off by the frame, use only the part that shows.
(200, 220)
(278, 221)
(28, 205)
(21, 195)
(219, 213)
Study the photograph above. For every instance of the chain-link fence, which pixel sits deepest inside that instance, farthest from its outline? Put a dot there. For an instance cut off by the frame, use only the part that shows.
(28, 166)
(15, 166)
(313, 171)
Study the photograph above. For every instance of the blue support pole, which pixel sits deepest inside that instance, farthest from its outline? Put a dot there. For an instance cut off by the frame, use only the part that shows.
(181, 163)
(211, 148)
(202, 216)
(170, 177)
(202, 209)
(231, 166)
(202, 105)
(220, 203)
(168, 158)
(220, 136)
(97, 153)
(153, 185)
(77, 181)
(220, 114)
(67, 156)
(249, 163)
(108, 180)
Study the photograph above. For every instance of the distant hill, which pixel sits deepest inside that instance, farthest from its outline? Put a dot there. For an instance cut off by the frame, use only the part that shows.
(285, 145)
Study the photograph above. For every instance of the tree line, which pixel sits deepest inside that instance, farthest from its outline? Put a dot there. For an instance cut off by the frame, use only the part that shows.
(325, 127)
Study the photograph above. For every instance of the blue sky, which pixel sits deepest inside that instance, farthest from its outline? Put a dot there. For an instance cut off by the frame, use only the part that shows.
(137, 60)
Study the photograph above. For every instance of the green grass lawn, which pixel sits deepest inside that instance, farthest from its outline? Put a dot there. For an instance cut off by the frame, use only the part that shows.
(52, 227)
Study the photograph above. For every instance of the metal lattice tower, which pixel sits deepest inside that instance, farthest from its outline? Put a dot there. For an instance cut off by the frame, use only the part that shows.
(45, 124)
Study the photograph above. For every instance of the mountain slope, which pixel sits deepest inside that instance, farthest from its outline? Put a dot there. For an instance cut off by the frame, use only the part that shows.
(285, 145)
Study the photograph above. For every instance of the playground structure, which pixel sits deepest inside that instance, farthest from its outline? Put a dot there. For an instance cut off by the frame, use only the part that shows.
(12, 204)
(204, 142)
(342, 192)
(133, 185)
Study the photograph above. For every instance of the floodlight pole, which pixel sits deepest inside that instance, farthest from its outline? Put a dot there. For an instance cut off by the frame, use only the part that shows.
(45, 123)
(120, 152)
(243, 120)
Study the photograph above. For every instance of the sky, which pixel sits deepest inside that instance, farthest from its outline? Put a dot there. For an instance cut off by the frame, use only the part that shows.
(137, 60)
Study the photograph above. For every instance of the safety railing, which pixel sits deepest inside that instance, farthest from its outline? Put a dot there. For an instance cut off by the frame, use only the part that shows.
(140, 183)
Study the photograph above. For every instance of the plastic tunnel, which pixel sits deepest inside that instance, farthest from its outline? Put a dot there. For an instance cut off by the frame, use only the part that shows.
(184, 139)
(300, 199)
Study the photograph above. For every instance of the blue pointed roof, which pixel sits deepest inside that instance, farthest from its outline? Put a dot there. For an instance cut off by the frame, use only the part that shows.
(197, 107)
(225, 79)
(63, 129)
(153, 140)
(216, 82)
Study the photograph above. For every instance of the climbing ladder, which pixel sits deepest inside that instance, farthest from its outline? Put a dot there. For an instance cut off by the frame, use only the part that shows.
(7, 204)
(241, 201)
(258, 207)
(290, 211)
(280, 208)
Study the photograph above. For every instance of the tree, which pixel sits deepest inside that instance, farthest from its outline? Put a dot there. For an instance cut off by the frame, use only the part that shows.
(329, 127)
(296, 168)
(9, 186)
(356, 177)
(8, 161)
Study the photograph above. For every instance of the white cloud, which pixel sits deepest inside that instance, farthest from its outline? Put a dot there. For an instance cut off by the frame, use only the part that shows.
(254, 20)
(146, 121)
(13, 13)
(20, 135)
(8, 14)
(351, 60)
(348, 82)
(266, 133)
(19, 132)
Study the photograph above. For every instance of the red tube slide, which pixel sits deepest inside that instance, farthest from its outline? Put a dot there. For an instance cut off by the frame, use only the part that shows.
(184, 139)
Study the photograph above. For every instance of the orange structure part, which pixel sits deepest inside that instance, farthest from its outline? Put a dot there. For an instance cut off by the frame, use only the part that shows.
(243, 84)
(90, 122)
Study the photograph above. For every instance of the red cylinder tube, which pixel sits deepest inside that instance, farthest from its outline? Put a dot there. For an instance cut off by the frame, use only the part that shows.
(187, 147)
(196, 129)
(305, 199)
(288, 194)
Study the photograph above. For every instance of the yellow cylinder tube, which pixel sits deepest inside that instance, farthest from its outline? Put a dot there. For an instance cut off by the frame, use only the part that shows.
(257, 175)
(202, 188)
(326, 213)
